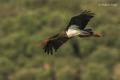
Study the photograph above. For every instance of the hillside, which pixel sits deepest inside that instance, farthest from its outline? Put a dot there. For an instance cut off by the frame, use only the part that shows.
(26, 23)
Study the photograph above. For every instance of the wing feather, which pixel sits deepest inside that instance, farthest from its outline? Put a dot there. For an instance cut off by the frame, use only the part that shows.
(81, 20)
(55, 42)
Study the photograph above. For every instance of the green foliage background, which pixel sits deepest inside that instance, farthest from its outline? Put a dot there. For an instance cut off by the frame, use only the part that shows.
(26, 23)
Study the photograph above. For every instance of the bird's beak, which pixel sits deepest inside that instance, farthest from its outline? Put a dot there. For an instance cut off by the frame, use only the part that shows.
(97, 35)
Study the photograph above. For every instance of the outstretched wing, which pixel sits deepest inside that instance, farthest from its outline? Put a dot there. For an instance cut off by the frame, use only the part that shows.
(55, 42)
(81, 20)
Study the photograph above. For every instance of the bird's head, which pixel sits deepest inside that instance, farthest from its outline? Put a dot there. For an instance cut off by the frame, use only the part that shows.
(44, 42)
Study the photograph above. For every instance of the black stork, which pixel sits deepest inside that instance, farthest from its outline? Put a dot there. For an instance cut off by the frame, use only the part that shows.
(76, 27)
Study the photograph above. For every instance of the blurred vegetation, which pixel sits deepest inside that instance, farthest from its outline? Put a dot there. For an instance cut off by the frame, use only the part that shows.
(26, 23)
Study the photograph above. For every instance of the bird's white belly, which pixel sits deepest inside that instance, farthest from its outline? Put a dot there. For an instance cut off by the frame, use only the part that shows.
(72, 32)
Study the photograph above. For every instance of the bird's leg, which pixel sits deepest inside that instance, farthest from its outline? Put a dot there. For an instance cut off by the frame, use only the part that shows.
(97, 35)
(85, 34)
(90, 34)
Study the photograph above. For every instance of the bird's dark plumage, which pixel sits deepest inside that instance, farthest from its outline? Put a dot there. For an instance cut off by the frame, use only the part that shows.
(79, 23)
(81, 20)
(55, 42)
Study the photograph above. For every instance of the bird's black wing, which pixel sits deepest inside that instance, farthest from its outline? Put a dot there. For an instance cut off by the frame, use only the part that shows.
(81, 20)
(54, 43)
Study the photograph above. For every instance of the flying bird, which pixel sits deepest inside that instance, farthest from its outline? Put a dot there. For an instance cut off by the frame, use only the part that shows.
(76, 27)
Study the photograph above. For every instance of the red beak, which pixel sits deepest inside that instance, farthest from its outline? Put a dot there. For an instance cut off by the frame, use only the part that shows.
(44, 42)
